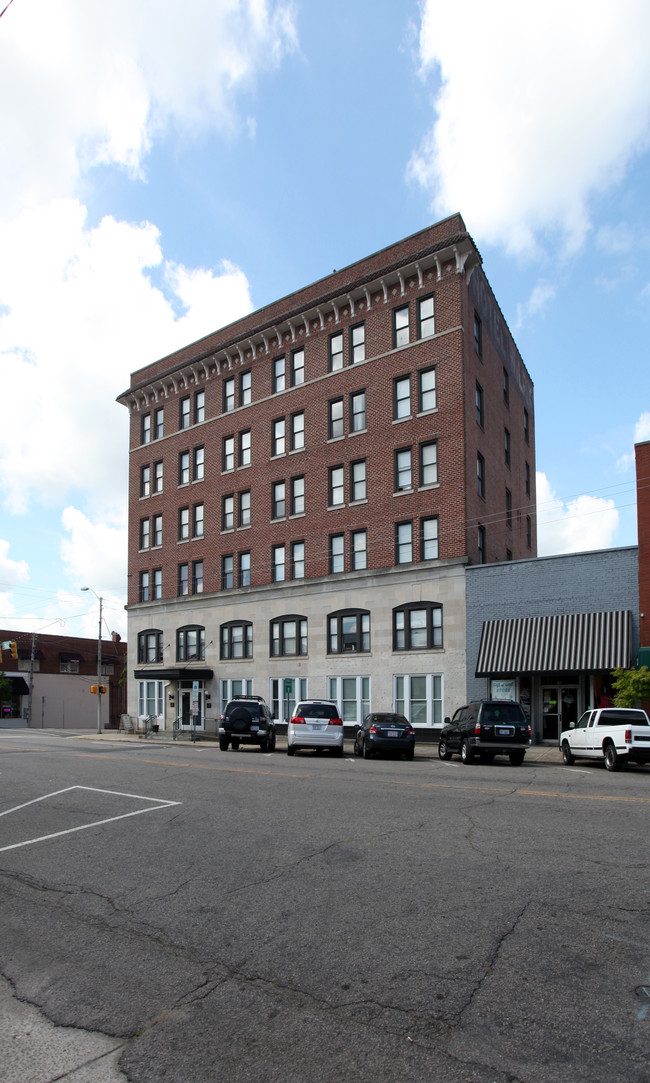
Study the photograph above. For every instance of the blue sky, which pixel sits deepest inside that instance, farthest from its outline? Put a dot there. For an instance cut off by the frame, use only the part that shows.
(168, 167)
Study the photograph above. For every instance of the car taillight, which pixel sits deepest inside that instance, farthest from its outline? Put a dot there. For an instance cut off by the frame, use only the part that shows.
(372, 729)
(300, 721)
(335, 722)
(530, 730)
(410, 732)
(477, 727)
(628, 737)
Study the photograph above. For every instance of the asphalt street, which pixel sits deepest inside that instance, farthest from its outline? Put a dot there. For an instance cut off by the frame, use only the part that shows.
(171, 912)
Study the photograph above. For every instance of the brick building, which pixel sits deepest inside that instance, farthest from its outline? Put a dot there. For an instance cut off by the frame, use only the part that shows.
(59, 671)
(307, 485)
(642, 457)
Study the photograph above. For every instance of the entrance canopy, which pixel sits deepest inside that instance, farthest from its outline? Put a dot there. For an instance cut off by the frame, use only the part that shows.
(575, 642)
(173, 674)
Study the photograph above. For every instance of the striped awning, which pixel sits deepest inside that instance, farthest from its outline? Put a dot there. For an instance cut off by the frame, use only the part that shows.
(575, 642)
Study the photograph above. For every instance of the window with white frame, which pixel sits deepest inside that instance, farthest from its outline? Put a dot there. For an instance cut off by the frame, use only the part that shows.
(298, 495)
(402, 397)
(357, 411)
(335, 419)
(278, 500)
(278, 564)
(184, 412)
(285, 693)
(231, 688)
(145, 480)
(418, 696)
(229, 394)
(426, 317)
(336, 352)
(337, 553)
(245, 569)
(404, 542)
(145, 533)
(244, 444)
(336, 486)
(199, 463)
(199, 407)
(184, 468)
(401, 326)
(145, 429)
(358, 489)
(403, 470)
(297, 367)
(198, 512)
(228, 512)
(429, 538)
(144, 587)
(158, 477)
(183, 580)
(359, 550)
(245, 388)
(429, 463)
(279, 374)
(151, 703)
(298, 560)
(157, 538)
(183, 524)
(427, 394)
(244, 508)
(278, 436)
(157, 583)
(228, 453)
(352, 696)
(227, 571)
(297, 431)
(357, 343)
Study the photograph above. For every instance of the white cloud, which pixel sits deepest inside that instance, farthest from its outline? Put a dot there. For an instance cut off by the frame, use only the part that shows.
(542, 294)
(142, 67)
(642, 428)
(539, 108)
(12, 573)
(574, 525)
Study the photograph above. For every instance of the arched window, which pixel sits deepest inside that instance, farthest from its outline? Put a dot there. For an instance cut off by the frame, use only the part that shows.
(417, 626)
(236, 638)
(288, 636)
(190, 643)
(150, 646)
(348, 631)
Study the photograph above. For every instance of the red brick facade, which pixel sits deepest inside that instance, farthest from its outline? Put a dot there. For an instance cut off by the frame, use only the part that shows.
(440, 263)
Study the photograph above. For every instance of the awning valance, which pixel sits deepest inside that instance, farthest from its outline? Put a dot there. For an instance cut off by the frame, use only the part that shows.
(573, 642)
(173, 674)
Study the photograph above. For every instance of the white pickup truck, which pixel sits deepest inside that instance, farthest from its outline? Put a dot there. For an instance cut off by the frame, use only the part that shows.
(616, 735)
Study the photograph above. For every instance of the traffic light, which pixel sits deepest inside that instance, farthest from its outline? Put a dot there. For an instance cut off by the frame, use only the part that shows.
(100, 689)
(14, 649)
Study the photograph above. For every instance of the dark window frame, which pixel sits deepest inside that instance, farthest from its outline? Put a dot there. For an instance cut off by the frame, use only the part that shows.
(432, 630)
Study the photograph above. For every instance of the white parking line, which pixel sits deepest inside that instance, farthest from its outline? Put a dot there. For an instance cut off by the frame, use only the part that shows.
(159, 803)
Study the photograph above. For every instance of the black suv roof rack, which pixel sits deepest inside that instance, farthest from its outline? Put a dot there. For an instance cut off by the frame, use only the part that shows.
(257, 699)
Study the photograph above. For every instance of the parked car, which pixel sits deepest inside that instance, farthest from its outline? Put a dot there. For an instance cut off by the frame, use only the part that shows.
(486, 728)
(385, 732)
(615, 735)
(315, 723)
(247, 720)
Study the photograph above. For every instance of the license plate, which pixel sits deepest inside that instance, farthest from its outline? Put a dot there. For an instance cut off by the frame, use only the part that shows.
(254, 729)
(504, 731)
(392, 733)
(316, 729)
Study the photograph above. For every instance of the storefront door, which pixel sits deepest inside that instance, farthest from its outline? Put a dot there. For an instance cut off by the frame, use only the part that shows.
(190, 705)
(559, 709)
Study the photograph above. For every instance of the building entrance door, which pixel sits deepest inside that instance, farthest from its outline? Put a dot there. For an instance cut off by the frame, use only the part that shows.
(190, 705)
(559, 709)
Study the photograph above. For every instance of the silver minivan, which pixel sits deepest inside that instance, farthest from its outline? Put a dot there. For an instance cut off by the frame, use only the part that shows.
(315, 723)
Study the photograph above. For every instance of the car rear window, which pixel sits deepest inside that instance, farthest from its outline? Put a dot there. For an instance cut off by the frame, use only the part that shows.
(504, 712)
(623, 718)
(391, 720)
(252, 708)
(317, 710)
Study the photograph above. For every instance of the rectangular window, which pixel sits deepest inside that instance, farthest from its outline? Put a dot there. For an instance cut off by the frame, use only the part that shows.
(478, 334)
(419, 698)
(359, 550)
(159, 423)
(528, 479)
(228, 512)
(403, 472)
(184, 468)
(183, 580)
(184, 412)
(199, 407)
(506, 387)
(358, 411)
(509, 509)
(227, 571)
(157, 530)
(298, 560)
(198, 461)
(245, 569)
(298, 495)
(352, 694)
(335, 420)
(158, 477)
(480, 475)
(279, 374)
(197, 520)
(244, 445)
(145, 429)
(183, 524)
(479, 405)
(336, 352)
(278, 437)
(429, 463)
(157, 583)
(427, 396)
(403, 543)
(151, 701)
(401, 326)
(245, 389)
(244, 516)
(426, 317)
(526, 427)
(297, 367)
(145, 480)
(197, 577)
(402, 397)
(358, 488)
(529, 532)
(278, 569)
(429, 538)
(357, 343)
(481, 545)
(144, 586)
(278, 500)
(336, 486)
(229, 394)
(337, 557)
(228, 453)
(506, 446)
(297, 431)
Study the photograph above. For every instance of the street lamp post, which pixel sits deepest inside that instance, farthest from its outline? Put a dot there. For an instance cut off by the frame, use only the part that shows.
(99, 660)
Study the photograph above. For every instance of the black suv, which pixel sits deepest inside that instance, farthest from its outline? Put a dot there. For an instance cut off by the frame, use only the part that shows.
(487, 728)
(247, 720)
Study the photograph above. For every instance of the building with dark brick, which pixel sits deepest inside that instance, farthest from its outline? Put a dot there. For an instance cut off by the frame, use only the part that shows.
(642, 456)
(308, 484)
(55, 675)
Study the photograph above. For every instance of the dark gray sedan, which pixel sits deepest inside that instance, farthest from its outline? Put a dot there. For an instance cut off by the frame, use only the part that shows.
(385, 732)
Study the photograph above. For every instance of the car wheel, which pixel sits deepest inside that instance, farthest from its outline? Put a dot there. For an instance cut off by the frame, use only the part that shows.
(366, 751)
(466, 753)
(410, 755)
(357, 750)
(516, 758)
(338, 752)
(264, 745)
(291, 750)
(567, 755)
(235, 743)
(223, 744)
(612, 761)
(443, 751)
